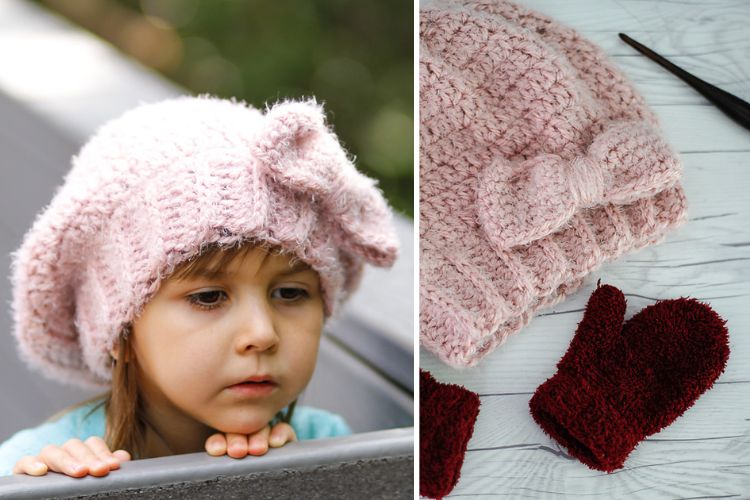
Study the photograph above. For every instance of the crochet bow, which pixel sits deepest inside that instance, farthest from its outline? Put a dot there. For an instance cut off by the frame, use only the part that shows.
(302, 154)
(521, 203)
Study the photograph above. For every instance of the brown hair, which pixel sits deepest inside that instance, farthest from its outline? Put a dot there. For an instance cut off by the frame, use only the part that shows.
(126, 422)
(122, 404)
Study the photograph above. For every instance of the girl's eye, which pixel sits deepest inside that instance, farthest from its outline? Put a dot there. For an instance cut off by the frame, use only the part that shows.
(207, 300)
(289, 294)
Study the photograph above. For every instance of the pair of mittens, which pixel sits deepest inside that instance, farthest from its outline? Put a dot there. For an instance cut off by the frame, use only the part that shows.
(619, 382)
(447, 414)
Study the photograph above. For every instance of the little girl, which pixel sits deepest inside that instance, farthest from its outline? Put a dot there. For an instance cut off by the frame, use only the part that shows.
(188, 264)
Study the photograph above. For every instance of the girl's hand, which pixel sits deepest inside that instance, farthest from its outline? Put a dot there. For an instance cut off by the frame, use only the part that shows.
(75, 458)
(241, 445)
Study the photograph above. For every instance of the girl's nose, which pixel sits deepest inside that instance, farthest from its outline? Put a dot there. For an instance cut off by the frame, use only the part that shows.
(255, 330)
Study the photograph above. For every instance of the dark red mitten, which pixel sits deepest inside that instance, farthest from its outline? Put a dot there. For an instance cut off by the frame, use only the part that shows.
(618, 384)
(447, 414)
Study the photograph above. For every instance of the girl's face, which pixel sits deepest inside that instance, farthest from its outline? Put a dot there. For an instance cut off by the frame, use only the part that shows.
(198, 338)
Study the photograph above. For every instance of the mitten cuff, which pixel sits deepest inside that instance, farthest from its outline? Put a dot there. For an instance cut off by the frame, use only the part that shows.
(582, 418)
(447, 414)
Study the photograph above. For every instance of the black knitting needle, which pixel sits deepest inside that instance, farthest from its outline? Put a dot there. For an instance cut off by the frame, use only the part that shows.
(733, 106)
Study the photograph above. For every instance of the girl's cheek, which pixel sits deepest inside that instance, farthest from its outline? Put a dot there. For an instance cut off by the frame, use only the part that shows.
(189, 361)
(305, 353)
(202, 357)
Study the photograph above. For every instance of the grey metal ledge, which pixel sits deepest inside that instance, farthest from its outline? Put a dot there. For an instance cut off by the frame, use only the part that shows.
(368, 465)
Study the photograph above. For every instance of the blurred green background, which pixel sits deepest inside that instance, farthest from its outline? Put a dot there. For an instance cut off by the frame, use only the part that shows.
(354, 56)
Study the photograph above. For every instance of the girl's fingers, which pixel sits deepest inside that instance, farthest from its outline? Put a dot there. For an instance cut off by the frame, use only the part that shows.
(99, 448)
(216, 444)
(240, 445)
(75, 458)
(30, 465)
(59, 460)
(236, 445)
(86, 457)
(281, 434)
(257, 444)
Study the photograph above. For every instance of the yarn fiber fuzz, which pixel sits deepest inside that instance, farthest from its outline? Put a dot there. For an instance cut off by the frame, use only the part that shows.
(539, 161)
(447, 413)
(620, 383)
(154, 187)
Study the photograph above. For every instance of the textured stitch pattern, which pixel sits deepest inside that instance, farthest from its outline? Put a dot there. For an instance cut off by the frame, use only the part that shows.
(538, 162)
(447, 414)
(152, 188)
(622, 381)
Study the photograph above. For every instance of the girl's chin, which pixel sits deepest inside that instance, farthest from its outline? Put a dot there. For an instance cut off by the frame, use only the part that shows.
(249, 425)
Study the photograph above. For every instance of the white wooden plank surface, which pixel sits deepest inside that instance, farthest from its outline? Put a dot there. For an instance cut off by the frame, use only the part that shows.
(706, 452)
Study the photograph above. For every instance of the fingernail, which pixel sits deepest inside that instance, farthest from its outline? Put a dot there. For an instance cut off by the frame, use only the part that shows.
(38, 466)
(258, 449)
(238, 451)
(277, 441)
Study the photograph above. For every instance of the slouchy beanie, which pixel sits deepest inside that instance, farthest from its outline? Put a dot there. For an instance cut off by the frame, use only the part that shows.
(447, 413)
(619, 383)
(154, 187)
(538, 162)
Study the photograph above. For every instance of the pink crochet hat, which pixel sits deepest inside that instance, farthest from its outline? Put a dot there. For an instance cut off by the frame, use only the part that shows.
(539, 162)
(152, 188)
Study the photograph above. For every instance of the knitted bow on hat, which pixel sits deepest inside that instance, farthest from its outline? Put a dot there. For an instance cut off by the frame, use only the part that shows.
(522, 203)
(302, 154)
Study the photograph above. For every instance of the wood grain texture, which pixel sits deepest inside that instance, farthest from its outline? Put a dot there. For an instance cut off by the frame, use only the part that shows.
(706, 452)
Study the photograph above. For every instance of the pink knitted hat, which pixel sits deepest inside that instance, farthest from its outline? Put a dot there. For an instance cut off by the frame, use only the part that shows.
(539, 162)
(155, 186)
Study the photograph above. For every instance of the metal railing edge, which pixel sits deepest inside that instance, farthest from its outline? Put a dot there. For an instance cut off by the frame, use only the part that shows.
(391, 443)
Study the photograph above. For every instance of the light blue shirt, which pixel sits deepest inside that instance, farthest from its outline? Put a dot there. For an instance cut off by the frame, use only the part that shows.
(307, 422)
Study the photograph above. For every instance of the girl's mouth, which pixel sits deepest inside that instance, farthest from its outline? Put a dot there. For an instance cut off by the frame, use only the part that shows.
(253, 389)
